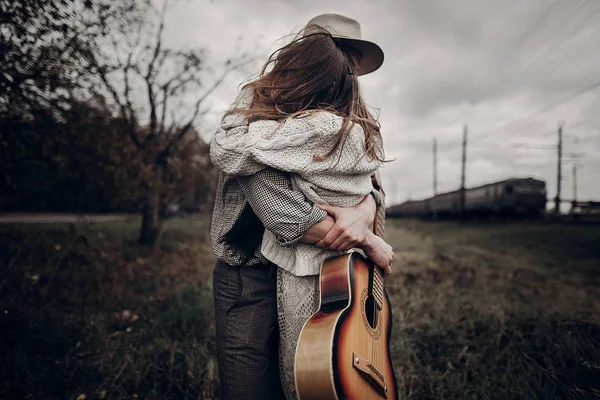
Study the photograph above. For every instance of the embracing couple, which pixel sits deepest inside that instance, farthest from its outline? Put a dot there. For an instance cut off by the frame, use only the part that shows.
(297, 152)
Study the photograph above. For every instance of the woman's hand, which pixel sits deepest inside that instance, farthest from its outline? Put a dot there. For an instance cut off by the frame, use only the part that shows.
(379, 252)
(351, 225)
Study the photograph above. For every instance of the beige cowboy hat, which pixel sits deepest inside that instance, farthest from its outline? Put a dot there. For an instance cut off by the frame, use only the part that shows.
(348, 30)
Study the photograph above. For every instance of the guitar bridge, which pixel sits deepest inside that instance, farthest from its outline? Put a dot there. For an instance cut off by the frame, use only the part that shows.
(371, 374)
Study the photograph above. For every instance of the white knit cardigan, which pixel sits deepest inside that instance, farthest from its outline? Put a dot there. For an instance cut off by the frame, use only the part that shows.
(239, 148)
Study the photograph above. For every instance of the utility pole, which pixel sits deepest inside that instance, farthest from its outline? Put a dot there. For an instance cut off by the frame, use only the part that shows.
(462, 175)
(559, 172)
(434, 166)
(574, 182)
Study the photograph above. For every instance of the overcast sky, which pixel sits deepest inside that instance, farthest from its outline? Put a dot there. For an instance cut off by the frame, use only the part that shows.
(447, 63)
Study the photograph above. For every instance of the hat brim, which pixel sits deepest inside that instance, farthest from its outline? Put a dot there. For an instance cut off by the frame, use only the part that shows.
(372, 54)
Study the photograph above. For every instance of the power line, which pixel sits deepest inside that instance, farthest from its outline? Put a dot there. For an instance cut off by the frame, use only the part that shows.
(448, 145)
(536, 25)
(452, 144)
(560, 31)
(536, 113)
(511, 146)
(587, 138)
(528, 147)
(543, 110)
(553, 46)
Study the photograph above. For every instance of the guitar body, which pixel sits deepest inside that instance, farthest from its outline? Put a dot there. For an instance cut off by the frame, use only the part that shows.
(343, 349)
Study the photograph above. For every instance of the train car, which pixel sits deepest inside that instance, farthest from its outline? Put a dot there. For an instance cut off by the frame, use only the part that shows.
(445, 205)
(511, 197)
(411, 208)
(525, 197)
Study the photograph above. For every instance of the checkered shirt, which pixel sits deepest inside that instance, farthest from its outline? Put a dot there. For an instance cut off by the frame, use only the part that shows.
(246, 205)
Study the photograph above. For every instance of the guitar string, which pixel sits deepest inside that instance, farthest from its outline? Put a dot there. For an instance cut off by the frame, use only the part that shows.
(378, 228)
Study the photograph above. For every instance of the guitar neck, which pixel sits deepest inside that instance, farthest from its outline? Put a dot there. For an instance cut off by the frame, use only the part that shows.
(379, 221)
(377, 288)
(378, 229)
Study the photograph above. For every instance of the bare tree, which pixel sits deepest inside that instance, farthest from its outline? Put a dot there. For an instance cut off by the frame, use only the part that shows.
(151, 88)
(44, 63)
(44, 47)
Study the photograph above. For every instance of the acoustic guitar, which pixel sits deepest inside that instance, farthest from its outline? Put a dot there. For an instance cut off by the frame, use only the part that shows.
(343, 349)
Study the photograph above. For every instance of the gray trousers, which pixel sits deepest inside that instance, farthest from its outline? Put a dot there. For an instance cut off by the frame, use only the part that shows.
(247, 332)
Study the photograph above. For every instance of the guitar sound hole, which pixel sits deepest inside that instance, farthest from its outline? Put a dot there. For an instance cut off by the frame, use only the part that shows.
(371, 311)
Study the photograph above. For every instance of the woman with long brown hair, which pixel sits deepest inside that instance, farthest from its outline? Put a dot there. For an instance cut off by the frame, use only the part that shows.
(304, 118)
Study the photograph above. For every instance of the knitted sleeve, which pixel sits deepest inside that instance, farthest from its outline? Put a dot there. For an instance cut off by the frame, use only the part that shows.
(241, 149)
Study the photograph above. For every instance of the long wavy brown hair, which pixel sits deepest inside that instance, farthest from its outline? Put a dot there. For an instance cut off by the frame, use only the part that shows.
(314, 73)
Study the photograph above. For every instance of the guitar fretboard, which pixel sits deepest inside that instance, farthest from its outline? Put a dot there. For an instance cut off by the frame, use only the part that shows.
(378, 229)
(379, 223)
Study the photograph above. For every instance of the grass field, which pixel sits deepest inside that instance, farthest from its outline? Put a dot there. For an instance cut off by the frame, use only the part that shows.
(495, 311)
(85, 313)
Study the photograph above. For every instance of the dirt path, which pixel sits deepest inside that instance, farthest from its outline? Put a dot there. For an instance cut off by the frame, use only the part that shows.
(35, 218)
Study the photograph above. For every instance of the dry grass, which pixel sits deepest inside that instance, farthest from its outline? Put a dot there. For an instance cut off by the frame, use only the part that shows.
(496, 311)
(85, 311)
(492, 311)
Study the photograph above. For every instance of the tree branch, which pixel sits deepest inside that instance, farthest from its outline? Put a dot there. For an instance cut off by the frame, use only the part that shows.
(131, 131)
(164, 155)
(150, 77)
(165, 90)
(127, 89)
(170, 89)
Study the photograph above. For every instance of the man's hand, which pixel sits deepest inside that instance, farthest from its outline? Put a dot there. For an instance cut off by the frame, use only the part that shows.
(351, 225)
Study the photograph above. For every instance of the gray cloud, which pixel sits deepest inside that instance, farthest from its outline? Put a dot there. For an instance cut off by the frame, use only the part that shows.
(448, 63)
